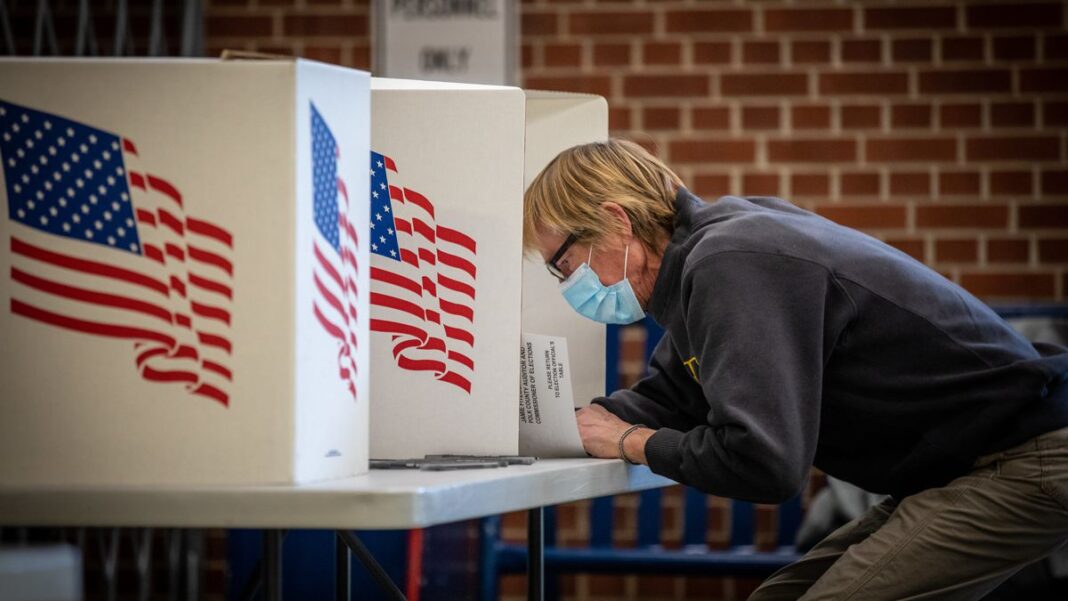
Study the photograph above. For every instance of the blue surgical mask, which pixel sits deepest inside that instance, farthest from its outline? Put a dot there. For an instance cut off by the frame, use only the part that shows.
(586, 294)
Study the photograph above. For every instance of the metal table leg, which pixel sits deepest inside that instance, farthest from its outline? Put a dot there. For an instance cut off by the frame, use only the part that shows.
(377, 573)
(272, 565)
(342, 570)
(536, 554)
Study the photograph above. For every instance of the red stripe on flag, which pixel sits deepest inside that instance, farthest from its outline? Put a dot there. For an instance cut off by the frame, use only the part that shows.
(419, 200)
(395, 327)
(418, 364)
(144, 216)
(409, 257)
(454, 261)
(390, 164)
(402, 225)
(327, 266)
(457, 309)
(457, 380)
(172, 222)
(396, 193)
(328, 325)
(210, 285)
(153, 252)
(215, 340)
(209, 230)
(89, 327)
(158, 375)
(392, 302)
(86, 266)
(129, 147)
(90, 296)
(461, 335)
(384, 275)
(456, 285)
(210, 312)
(423, 229)
(329, 297)
(164, 187)
(138, 181)
(427, 256)
(178, 286)
(429, 286)
(207, 390)
(184, 321)
(455, 237)
(174, 251)
(211, 258)
(219, 369)
(462, 359)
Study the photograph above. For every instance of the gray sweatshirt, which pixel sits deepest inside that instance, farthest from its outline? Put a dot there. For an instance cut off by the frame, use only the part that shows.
(791, 341)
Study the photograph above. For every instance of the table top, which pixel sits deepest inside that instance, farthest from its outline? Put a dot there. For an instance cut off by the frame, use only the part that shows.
(381, 499)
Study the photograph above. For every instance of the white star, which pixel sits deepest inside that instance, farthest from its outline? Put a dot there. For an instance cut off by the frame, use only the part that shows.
(74, 157)
(7, 137)
(372, 173)
(25, 118)
(85, 209)
(70, 192)
(22, 214)
(66, 227)
(40, 195)
(106, 155)
(393, 253)
(386, 209)
(61, 141)
(66, 166)
(98, 225)
(18, 188)
(34, 169)
(121, 231)
(80, 183)
(102, 189)
(44, 160)
(129, 222)
(383, 186)
(97, 164)
(114, 146)
(56, 176)
(378, 216)
(37, 134)
(390, 231)
(92, 138)
(2, 111)
(53, 211)
(133, 247)
(372, 226)
(20, 152)
(124, 196)
(11, 162)
(380, 164)
(48, 185)
(62, 202)
(115, 205)
(30, 204)
(374, 247)
(88, 174)
(375, 193)
(92, 198)
(83, 148)
(111, 181)
(52, 150)
(119, 170)
(107, 215)
(89, 234)
(76, 218)
(44, 220)
(48, 124)
(111, 240)
(15, 127)
(382, 239)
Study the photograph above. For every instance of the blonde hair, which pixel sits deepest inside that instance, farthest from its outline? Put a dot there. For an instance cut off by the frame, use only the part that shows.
(567, 195)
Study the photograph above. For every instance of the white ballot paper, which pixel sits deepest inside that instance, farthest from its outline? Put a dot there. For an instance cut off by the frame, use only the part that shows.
(547, 426)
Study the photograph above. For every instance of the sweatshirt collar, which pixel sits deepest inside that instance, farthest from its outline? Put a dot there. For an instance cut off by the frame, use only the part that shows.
(666, 287)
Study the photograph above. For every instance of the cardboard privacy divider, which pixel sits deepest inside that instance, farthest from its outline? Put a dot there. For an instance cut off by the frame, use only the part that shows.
(557, 121)
(450, 288)
(183, 272)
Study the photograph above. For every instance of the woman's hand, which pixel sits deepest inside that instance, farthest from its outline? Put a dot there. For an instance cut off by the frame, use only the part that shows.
(600, 431)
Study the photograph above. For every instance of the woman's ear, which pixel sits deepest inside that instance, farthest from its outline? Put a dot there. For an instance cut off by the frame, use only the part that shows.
(619, 216)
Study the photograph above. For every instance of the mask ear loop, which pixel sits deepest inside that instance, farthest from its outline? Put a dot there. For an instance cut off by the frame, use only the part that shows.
(626, 255)
(590, 257)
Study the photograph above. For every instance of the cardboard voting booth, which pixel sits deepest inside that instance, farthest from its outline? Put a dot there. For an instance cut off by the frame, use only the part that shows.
(449, 294)
(183, 271)
(555, 122)
(446, 232)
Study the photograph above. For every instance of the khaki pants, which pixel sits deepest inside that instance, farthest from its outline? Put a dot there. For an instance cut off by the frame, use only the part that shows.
(955, 542)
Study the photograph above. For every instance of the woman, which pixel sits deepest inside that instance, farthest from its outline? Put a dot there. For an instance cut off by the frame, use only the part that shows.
(791, 342)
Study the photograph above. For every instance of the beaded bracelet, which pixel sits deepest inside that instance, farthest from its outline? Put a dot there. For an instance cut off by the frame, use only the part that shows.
(623, 437)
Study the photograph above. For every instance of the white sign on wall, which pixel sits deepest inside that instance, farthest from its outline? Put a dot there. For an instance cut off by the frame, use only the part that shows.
(469, 41)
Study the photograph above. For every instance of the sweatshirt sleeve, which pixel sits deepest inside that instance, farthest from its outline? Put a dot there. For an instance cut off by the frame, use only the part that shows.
(652, 401)
(759, 328)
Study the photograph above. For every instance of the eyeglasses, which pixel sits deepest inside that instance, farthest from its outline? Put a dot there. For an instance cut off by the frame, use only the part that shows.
(551, 263)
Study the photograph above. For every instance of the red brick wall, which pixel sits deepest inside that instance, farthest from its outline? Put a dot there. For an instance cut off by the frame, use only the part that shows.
(937, 126)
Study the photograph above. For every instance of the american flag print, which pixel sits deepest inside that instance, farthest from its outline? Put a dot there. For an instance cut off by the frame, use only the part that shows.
(102, 246)
(422, 281)
(335, 245)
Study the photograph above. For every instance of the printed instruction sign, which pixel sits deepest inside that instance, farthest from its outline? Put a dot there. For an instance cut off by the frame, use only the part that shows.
(547, 425)
(468, 41)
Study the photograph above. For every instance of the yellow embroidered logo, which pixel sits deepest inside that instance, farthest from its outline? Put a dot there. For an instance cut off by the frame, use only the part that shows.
(692, 365)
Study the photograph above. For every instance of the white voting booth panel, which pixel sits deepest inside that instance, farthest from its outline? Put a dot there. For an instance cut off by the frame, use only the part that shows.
(446, 232)
(557, 121)
(183, 274)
